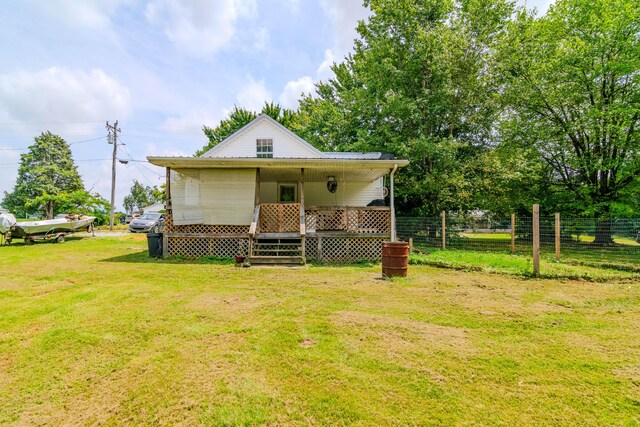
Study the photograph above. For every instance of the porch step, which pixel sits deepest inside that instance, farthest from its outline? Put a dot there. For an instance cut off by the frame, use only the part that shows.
(276, 260)
(277, 251)
(278, 236)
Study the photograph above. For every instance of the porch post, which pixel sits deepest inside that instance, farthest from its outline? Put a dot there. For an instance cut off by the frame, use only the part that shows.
(303, 225)
(168, 208)
(257, 197)
(393, 205)
(302, 186)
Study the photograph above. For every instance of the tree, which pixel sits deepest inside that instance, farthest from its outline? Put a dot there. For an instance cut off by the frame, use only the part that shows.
(418, 85)
(572, 92)
(140, 196)
(240, 117)
(47, 176)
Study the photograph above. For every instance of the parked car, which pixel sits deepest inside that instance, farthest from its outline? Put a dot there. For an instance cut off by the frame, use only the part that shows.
(130, 217)
(147, 223)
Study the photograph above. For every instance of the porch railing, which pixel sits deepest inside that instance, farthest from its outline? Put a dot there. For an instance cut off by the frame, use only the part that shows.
(357, 220)
(279, 218)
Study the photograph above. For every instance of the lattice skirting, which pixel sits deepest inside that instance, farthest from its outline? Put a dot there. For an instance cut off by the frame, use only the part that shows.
(195, 247)
(169, 227)
(344, 249)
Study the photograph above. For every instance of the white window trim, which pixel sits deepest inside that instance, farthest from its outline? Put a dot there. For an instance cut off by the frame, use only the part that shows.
(267, 142)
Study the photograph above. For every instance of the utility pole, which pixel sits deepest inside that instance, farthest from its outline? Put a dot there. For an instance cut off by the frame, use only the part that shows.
(113, 139)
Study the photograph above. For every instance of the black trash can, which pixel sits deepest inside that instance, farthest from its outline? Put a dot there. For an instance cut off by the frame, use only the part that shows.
(154, 241)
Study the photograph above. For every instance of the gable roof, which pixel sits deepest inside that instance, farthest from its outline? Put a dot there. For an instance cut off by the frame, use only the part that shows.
(253, 123)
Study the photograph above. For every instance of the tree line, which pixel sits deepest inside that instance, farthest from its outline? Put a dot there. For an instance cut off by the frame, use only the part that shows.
(495, 107)
(48, 184)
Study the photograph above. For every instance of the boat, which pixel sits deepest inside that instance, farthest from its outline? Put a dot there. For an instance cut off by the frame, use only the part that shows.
(52, 228)
(7, 222)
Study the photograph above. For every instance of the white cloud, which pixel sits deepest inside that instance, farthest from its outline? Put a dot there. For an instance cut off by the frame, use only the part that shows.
(293, 5)
(199, 27)
(324, 71)
(191, 122)
(8, 168)
(344, 16)
(293, 89)
(92, 14)
(71, 100)
(261, 38)
(253, 95)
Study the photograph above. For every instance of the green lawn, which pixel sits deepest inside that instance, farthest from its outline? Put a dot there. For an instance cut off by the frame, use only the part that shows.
(94, 332)
(569, 267)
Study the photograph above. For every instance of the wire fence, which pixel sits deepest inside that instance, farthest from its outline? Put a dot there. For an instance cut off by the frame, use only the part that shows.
(585, 238)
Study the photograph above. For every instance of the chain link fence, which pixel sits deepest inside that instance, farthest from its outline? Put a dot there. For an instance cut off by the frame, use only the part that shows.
(581, 238)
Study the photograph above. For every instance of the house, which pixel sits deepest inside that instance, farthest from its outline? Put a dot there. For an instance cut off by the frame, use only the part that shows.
(267, 194)
(154, 208)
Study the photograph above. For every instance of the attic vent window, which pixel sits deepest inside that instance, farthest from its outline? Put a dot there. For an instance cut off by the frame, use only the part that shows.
(264, 148)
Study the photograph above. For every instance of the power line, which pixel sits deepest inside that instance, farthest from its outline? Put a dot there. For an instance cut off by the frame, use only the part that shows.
(68, 143)
(20, 123)
(75, 161)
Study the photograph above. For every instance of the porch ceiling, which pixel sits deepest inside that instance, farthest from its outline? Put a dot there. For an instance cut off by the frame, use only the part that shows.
(321, 175)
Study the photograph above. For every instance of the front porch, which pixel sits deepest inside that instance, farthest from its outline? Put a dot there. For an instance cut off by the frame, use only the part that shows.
(279, 210)
(287, 230)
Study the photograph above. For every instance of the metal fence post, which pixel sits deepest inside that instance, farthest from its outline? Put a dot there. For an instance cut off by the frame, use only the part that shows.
(536, 240)
(444, 230)
(557, 236)
(513, 233)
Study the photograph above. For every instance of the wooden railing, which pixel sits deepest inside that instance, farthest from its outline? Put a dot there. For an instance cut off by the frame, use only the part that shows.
(279, 218)
(356, 220)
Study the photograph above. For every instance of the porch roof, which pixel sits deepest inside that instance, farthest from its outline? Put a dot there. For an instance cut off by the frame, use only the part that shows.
(360, 168)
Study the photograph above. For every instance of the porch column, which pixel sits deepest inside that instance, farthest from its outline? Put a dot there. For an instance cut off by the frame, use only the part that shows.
(301, 186)
(393, 204)
(303, 225)
(167, 208)
(257, 198)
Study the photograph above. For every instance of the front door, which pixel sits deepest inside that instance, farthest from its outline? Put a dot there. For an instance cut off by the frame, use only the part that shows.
(287, 192)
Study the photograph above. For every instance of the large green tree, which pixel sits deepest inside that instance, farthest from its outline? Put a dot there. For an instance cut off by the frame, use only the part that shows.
(572, 92)
(141, 196)
(418, 85)
(240, 117)
(48, 179)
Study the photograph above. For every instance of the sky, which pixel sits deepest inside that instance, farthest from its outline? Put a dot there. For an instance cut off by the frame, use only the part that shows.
(162, 68)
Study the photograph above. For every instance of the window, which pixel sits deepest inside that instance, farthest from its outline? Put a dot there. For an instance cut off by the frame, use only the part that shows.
(264, 148)
(287, 193)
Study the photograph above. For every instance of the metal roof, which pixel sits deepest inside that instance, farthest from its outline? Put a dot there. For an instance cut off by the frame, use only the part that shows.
(252, 162)
(350, 155)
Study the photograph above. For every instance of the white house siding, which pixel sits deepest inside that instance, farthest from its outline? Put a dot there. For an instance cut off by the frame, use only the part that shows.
(284, 145)
(156, 207)
(316, 193)
(213, 196)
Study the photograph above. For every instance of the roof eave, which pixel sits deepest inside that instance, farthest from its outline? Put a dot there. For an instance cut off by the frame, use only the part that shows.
(240, 163)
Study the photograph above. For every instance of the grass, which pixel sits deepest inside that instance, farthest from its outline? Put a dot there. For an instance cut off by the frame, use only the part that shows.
(522, 265)
(505, 238)
(93, 331)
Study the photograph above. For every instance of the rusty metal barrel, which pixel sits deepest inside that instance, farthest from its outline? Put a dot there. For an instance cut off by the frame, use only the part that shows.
(395, 259)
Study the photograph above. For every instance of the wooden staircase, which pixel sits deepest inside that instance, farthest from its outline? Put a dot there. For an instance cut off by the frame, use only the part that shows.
(283, 250)
(272, 243)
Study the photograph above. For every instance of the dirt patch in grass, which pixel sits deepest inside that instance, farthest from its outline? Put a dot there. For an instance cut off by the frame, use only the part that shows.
(307, 342)
(402, 334)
